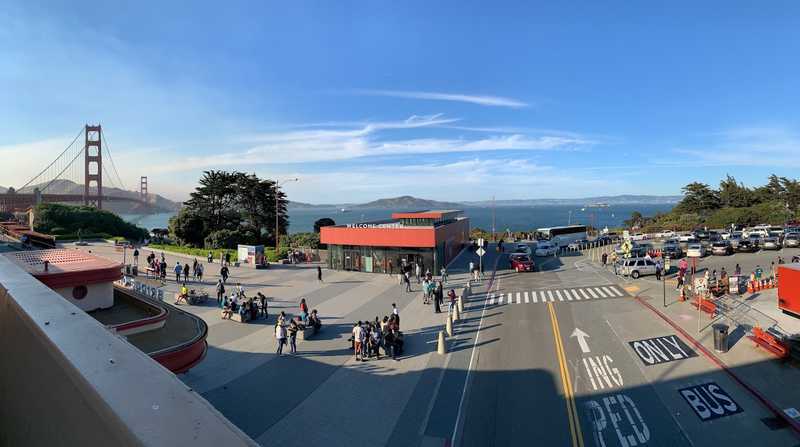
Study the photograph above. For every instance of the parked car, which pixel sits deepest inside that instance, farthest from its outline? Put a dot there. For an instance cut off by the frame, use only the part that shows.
(580, 244)
(686, 241)
(791, 240)
(721, 248)
(695, 250)
(523, 248)
(522, 263)
(725, 235)
(673, 250)
(666, 234)
(545, 248)
(734, 240)
(636, 267)
(747, 246)
(701, 234)
(771, 243)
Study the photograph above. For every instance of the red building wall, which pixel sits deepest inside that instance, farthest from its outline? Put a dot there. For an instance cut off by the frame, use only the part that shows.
(423, 237)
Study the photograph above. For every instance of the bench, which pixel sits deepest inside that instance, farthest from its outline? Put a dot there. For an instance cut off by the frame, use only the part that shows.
(307, 333)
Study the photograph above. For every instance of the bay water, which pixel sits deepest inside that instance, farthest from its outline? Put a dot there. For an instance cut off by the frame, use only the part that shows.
(514, 218)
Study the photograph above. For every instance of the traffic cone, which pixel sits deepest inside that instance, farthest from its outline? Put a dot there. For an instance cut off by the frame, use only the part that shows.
(750, 287)
(449, 326)
(442, 348)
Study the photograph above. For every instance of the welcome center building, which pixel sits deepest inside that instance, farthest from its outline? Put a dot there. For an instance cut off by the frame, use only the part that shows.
(429, 238)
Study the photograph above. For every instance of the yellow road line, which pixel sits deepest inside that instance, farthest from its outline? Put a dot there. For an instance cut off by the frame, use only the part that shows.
(572, 413)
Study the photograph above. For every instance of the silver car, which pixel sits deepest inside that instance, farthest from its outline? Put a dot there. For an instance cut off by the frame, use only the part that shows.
(771, 243)
(636, 267)
(791, 240)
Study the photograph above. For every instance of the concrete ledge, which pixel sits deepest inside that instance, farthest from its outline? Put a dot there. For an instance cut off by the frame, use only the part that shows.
(74, 383)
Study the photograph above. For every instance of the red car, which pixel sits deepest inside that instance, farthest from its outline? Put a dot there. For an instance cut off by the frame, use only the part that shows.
(522, 263)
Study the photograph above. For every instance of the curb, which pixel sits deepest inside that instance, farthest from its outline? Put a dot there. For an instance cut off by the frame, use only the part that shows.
(795, 426)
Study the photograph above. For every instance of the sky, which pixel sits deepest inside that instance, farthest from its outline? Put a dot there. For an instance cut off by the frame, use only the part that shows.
(447, 100)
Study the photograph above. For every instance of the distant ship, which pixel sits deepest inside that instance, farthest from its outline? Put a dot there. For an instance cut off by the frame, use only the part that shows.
(345, 210)
(597, 205)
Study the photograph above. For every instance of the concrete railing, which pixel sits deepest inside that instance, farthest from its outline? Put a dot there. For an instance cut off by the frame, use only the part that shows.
(66, 380)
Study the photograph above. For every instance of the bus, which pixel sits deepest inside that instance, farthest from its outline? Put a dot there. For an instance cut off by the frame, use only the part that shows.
(562, 236)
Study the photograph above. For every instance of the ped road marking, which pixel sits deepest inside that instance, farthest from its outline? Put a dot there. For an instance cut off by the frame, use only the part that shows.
(527, 299)
(572, 413)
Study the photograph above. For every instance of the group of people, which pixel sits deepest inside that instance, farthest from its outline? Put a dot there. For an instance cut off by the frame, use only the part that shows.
(370, 337)
(288, 331)
(406, 275)
(184, 270)
(248, 308)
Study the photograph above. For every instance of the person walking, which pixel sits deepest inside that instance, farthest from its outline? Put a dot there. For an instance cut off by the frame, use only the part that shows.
(737, 271)
(227, 258)
(210, 257)
(186, 272)
(223, 272)
(293, 337)
(136, 257)
(418, 272)
(407, 279)
(319, 274)
(389, 267)
(194, 269)
(438, 297)
(659, 267)
(280, 336)
(452, 295)
(200, 270)
(396, 314)
(444, 275)
(220, 292)
(178, 270)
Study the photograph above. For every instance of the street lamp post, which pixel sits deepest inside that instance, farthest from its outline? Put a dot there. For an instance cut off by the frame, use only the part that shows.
(278, 184)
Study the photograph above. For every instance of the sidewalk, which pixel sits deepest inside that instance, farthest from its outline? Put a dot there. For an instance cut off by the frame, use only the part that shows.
(269, 397)
(773, 379)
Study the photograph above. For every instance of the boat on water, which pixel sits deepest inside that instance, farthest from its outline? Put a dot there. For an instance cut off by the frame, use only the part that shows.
(597, 205)
(344, 210)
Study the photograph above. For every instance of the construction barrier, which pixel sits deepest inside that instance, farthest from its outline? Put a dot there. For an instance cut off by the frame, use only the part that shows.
(769, 342)
(705, 305)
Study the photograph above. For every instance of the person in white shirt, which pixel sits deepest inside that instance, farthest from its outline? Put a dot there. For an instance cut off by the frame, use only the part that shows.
(358, 338)
(280, 335)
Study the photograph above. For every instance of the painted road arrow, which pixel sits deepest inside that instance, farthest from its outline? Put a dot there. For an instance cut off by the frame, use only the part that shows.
(581, 336)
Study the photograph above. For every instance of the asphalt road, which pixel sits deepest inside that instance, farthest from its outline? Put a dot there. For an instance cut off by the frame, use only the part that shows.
(568, 365)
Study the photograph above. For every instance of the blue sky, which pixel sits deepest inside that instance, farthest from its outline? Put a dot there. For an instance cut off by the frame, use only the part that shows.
(445, 100)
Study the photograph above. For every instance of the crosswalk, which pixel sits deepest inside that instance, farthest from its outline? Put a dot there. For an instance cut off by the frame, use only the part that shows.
(557, 295)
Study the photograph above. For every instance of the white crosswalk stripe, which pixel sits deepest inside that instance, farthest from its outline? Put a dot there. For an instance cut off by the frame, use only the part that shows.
(544, 296)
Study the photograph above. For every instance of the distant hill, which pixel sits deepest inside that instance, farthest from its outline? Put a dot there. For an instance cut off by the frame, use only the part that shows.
(156, 203)
(408, 202)
(610, 200)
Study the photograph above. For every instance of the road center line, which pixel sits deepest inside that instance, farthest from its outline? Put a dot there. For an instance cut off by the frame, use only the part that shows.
(572, 414)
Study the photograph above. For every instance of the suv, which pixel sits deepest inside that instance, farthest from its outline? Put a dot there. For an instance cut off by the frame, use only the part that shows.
(522, 263)
(721, 248)
(673, 250)
(636, 267)
(696, 250)
(545, 248)
(791, 240)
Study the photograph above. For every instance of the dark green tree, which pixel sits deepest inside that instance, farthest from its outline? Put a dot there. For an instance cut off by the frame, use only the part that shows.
(734, 194)
(698, 198)
(324, 222)
(188, 228)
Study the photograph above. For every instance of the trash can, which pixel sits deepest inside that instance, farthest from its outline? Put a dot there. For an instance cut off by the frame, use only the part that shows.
(720, 337)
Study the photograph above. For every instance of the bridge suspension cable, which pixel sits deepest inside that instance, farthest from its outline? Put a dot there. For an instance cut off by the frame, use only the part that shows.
(80, 132)
(113, 166)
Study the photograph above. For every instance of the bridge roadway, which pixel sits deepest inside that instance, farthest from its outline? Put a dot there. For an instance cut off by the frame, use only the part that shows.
(554, 366)
(21, 201)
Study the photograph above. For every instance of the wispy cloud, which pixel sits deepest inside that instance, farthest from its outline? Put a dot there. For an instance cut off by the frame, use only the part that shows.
(483, 100)
(746, 146)
(368, 140)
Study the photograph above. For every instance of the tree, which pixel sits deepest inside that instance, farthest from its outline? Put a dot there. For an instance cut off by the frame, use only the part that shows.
(324, 222)
(231, 208)
(734, 194)
(698, 198)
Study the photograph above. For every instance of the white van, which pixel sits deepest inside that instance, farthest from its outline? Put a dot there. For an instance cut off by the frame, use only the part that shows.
(636, 267)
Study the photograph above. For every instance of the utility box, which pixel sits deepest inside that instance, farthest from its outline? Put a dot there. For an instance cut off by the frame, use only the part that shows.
(789, 288)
